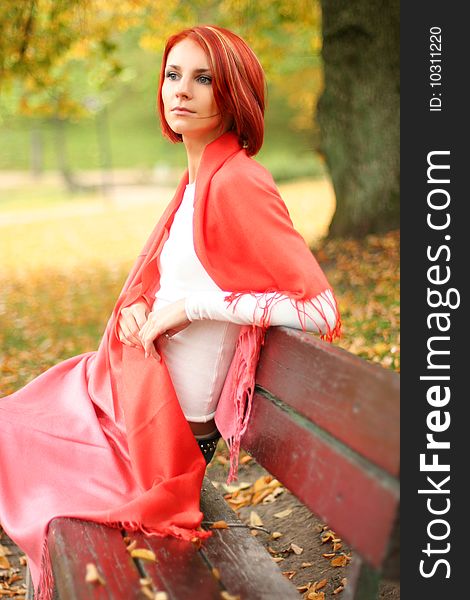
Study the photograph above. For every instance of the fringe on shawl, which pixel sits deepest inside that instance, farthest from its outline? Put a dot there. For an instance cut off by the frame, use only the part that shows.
(242, 385)
(46, 586)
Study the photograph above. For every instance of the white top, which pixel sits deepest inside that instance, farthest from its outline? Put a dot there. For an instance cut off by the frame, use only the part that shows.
(198, 357)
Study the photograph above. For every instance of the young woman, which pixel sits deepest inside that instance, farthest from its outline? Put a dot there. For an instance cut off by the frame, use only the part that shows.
(121, 436)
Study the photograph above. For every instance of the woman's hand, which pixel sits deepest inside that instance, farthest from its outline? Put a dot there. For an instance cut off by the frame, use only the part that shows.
(131, 321)
(168, 320)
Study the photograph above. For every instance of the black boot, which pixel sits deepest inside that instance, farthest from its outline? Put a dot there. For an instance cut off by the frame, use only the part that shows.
(208, 446)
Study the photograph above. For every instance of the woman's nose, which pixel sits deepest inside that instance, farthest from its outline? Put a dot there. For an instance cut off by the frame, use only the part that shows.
(183, 89)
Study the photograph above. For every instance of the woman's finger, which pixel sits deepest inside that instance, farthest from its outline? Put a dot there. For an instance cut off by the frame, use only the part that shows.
(129, 337)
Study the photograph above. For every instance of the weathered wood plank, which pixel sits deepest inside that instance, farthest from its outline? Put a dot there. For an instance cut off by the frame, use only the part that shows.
(355, 401)
(246, 568)
(179, 570)
(73, 544)
(353, 496)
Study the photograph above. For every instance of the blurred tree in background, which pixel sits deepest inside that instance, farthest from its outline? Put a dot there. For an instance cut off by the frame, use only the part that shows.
(63, 60)
(42, 41)
(358, 113)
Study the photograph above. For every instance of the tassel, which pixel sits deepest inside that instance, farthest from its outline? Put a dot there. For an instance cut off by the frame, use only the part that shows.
(240, 383)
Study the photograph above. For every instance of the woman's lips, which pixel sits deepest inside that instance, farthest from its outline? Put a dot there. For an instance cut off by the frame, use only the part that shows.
(179, 110)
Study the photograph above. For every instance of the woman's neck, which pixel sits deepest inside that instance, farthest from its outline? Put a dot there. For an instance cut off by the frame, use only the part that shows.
(194, 150)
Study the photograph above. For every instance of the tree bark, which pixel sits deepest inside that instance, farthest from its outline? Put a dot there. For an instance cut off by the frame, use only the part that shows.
(358, 113)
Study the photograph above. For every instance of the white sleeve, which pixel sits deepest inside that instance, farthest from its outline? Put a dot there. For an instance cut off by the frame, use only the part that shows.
(318, 315)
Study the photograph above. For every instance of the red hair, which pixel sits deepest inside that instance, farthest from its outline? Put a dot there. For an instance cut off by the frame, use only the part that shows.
(238, 82)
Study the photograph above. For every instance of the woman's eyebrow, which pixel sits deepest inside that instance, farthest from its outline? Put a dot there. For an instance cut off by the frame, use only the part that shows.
(201, 70)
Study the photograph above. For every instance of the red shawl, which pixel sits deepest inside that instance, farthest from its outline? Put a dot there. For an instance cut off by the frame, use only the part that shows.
(107, 425)
(244, 237)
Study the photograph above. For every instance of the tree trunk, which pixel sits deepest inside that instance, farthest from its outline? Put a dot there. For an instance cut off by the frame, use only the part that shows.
(62, 157)
(358, 113)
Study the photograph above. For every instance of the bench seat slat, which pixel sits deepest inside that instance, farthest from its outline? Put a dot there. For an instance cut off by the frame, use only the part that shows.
(357, 402)
(73, 544)
(245, 567)
(179, 570)
(351, 495)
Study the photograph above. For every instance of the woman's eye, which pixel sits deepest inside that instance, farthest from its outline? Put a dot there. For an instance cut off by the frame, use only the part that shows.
(205, 80)
(171, 75)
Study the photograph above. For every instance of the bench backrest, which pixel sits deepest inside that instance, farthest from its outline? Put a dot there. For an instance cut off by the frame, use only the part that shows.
(326, 424)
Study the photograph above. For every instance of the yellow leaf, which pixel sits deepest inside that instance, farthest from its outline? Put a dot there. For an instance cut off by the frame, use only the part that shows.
(4, 562)
(255, 519)
(144, 554)
(261, 483)
(276, 535)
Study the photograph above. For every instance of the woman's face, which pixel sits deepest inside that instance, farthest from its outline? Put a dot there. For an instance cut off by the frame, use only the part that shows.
(187, 94)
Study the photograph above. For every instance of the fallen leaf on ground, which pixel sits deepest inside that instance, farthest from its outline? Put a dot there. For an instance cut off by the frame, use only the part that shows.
(289, 574)
(255, 519)
(338, 590)
(327, 536)
(93, 576)
(276, 535)
(316, 596)
(219, 525)
(306, 564)
(283, 514)
(5, 551)
(340, 561)
(296, 549)
(262, 482)
(337, 546)
(318, 585)
(4, 562)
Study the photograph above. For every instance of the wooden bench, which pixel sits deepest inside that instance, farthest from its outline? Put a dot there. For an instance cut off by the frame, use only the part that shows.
(326, 424)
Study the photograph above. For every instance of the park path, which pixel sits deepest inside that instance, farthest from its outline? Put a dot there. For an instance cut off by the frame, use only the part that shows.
(311, 202)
